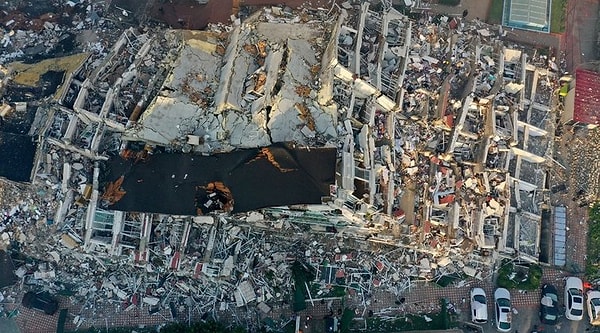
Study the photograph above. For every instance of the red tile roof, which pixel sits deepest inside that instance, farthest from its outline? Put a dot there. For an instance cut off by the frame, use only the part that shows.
(587, 97)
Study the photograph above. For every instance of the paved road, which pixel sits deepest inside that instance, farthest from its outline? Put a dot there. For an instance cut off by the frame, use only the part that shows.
(580, 33)
(525, 320)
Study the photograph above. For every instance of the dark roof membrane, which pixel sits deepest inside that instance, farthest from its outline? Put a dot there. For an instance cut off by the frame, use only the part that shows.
(274, 176)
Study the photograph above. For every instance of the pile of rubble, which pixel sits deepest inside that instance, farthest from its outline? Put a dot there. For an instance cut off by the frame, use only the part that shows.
(442, 133)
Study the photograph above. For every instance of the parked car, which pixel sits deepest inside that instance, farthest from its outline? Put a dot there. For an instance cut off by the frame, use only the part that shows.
(593, 307)
(573, 298)
(549, 305)
(479, 313)
(40, 301)
(503, 310)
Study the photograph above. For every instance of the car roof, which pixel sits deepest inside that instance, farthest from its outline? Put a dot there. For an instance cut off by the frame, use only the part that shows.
(504, 316)
(577, 306)
(480, 310)
(552, 310)
(547, 301)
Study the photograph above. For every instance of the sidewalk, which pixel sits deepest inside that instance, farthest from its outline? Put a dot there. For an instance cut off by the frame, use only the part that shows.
(425, 297)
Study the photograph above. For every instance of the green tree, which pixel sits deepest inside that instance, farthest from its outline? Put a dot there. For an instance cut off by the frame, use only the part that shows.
(301, 275)
(511, 276)
(592, 267)
(346, 321)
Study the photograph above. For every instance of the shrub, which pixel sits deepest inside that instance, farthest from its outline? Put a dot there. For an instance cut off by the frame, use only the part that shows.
(592, 267)
(425, 321)
(346, 320)
(513, 276)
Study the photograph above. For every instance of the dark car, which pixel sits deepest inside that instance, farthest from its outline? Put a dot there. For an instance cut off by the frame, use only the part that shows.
(549, 305)
(40, 301)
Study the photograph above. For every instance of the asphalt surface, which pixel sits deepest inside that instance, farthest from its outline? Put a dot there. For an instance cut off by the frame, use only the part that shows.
(580, 32)
(527, 318)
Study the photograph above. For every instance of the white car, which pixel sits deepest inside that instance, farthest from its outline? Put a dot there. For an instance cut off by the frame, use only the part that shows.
(479, 313)
(574, 298)
(593, 307)
(503, 310)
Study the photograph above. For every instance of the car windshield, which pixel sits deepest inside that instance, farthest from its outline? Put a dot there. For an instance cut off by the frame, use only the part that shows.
(576, 312)
(575, 292)
(503, 302)
(595, 301)
(504, 326)
(479, 298)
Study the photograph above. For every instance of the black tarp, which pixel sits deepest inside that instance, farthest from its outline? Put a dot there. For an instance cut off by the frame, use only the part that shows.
(168, 183)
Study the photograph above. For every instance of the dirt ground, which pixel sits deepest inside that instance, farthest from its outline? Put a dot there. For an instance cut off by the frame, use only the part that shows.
(576, 164)
(478, 9)
(188, 14)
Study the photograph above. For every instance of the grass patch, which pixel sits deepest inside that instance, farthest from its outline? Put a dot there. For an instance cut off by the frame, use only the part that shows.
(495, 14)
(511, 276)
(558, 16)
(430, 321)
(346, 321)
(592, 266)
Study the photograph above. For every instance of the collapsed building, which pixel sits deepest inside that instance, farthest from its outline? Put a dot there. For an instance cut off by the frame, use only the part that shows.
(201, 154)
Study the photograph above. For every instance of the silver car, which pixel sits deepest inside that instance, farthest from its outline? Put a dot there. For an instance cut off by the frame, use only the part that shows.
(502, 306)
(479, 313)
(574, 298)
(593, 307)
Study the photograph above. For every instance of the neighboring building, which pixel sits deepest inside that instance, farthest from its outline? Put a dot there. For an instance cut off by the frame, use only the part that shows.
(582, 103)
(531, 15)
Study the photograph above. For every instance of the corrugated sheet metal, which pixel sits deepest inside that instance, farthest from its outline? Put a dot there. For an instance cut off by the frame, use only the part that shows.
(560, 235)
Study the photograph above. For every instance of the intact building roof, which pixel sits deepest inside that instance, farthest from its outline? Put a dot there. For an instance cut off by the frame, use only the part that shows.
(587, 96)
(527, 14)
